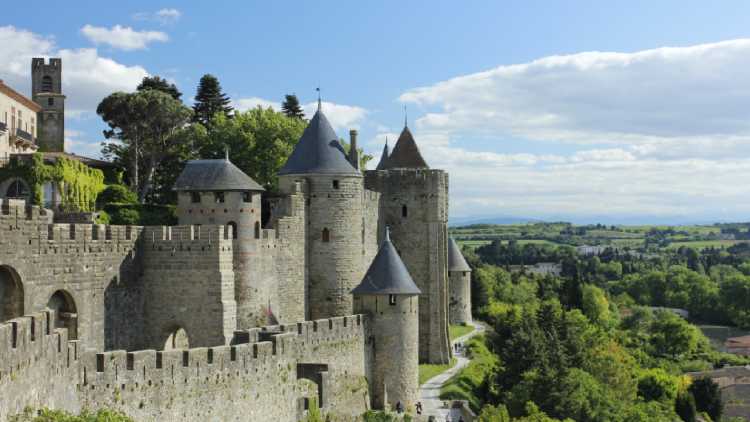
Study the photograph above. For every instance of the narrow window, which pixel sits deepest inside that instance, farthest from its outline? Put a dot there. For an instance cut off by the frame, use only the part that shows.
(247, 197)
(326, 235)
(257, 229)
(404, 211)
(195, 197)
(219, 197)
(46, 84)
(335, 184)
(233, 225)
(392, 300)
(50, 101)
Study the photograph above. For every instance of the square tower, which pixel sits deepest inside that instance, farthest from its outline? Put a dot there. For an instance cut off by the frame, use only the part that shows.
(46, 90)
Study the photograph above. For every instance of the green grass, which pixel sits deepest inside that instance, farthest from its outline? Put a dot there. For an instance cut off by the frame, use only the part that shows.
(701, 244)
(427, 370)
(473, 243)
(468, 383)
(457, 331)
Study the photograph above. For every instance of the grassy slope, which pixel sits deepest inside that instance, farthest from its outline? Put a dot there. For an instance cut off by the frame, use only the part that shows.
(457, 331)
(468, 383)
(427, 371)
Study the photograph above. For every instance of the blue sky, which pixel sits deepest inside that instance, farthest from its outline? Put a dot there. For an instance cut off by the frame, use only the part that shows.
(538, 109)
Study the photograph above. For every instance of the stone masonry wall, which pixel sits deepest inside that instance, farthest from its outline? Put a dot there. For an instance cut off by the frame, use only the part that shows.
(188, 281)
(459, 304)
(421, 237)
(88, 262)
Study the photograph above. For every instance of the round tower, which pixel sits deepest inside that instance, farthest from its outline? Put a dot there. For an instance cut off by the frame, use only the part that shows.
(216, 192)
(459, 273)
(334, 196)
(390, 299)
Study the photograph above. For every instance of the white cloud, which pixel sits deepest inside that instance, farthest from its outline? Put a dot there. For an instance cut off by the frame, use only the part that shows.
(342, 117)
(87, 76)
(655, 132)
(162, 16)
(123, 37)
(75, 144)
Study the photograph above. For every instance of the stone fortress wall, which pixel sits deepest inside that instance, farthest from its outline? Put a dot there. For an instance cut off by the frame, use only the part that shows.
(268, 373)
(414, 204)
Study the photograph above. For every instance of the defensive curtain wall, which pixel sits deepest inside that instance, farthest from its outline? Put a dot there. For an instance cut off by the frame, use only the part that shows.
(269, 373)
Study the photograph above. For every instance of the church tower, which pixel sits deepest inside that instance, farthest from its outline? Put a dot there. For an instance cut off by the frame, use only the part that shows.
(46, 90)
(414, 204)
(390, 299)
(333, 190)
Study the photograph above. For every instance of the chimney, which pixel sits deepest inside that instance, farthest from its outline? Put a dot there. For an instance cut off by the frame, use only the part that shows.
(353, 151)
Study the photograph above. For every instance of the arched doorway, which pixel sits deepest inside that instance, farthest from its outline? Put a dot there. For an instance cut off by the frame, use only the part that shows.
(177, 339)
(11, 294)
(66, 313)
(17, 189)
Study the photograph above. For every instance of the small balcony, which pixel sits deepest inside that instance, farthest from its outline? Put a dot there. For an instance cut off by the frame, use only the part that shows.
(22, 138)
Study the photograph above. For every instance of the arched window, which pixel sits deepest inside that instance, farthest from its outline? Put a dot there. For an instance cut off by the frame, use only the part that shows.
(257, 229)
(66, 314)
(233, 225)
(47, 84)
(17, 189)
(392, 300)
(404, 211)
(326, 235)
(177, 339)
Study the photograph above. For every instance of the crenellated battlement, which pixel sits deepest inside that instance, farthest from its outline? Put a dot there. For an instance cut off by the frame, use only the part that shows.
(32, 340)
(19, 209)
(254, 351)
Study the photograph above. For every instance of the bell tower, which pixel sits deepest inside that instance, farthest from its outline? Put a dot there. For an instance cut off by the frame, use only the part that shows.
(46, 90)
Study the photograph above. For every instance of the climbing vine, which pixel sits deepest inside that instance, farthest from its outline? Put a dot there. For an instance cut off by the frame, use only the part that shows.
(76, 183)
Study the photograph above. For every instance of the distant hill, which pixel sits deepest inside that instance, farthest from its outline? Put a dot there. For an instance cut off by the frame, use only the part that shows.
(635, 220)
(465, 221)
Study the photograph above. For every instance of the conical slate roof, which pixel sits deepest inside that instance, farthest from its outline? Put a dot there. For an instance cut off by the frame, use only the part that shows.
(456, 261)
(406, 153)
(318, 151)
(383, 158)
(387, 274)
(214, 175)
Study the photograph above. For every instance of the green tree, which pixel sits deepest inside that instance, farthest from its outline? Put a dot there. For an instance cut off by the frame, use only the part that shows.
(492, 413)
(210, 101)
(159, 84)
(707, 397)
(672, 336)
(685, 406)
(595, 305)
(147, 125)
(291, 107)
(656, 384)
(259, 141)
(735, 297)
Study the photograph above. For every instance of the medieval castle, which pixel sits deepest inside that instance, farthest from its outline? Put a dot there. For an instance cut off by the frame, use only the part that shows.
(348, 287)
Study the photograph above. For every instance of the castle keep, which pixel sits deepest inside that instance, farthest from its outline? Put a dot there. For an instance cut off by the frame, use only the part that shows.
(335, 301)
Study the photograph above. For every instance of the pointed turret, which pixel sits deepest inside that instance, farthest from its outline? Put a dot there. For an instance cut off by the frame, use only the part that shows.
(382, 165)
(459, 274)
(406, 153)
(318, 151)
(390, 299)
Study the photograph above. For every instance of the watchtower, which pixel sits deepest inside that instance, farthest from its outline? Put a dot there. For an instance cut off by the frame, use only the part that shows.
(414, 204)
(213, 192)
(459, 304)
(389, 297)
(46, 90)
(334, 214)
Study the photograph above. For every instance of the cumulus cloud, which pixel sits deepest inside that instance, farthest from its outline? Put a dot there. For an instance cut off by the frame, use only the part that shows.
(123, 37)
(87, 76)
(163, 16)
(341, 116)
(654, 132)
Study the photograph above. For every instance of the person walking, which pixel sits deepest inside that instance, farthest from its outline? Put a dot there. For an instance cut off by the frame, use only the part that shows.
(399, 408)
(419, 408)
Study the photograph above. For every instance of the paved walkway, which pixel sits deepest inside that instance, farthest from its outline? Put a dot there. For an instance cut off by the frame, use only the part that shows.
(429, 392)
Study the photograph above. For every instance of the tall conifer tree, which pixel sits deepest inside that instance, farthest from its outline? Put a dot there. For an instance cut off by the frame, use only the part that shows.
(209, 100)
(291, 107)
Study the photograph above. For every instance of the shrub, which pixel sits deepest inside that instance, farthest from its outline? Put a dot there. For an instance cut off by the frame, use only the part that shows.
(707, 397)
(125, 216)
(116, 194)
(103, 217)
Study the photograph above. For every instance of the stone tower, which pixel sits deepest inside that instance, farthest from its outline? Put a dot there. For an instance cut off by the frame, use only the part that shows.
(334, 213)
(216, 192)
(459, 304)
(414, 204)
(389, 298)
(46, 90)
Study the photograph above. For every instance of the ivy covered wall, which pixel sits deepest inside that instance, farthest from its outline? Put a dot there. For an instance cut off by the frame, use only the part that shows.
(77, 184)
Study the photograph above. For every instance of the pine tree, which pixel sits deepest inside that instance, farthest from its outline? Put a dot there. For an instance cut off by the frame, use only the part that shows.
(159, 84)
(209, 100)
(291, 107)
